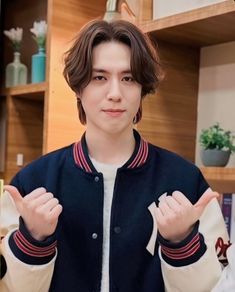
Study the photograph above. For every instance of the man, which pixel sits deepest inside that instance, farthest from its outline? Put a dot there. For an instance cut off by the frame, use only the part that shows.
(112, 212)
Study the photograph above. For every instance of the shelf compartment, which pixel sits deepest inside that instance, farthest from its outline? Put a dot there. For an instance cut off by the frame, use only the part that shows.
(31, 91)
(221, 179)
(204, 26)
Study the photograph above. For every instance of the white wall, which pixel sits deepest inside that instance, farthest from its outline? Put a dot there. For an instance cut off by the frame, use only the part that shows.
(216, 98)
(162, 8)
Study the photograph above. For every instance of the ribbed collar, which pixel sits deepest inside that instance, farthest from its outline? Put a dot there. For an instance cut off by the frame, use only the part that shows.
(138, 158)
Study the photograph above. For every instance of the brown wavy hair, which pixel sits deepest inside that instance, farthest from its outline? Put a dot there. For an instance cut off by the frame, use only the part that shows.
(145, 66)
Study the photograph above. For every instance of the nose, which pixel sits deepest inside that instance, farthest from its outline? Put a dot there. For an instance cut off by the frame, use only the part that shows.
(114, 90)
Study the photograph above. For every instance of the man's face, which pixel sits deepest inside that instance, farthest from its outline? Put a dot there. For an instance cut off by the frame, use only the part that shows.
(112, 98)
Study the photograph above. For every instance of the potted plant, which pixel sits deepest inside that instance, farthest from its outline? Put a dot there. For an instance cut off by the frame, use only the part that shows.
(217, 145)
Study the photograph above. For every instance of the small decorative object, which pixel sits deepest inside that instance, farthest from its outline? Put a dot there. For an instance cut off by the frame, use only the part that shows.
(16, 72)
(217, 146)
(112, 10)
(39, 60)
(116, 9)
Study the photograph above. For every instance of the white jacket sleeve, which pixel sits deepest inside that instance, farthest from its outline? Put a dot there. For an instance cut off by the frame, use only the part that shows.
(19, 276)
(202, 275)
(227, 280)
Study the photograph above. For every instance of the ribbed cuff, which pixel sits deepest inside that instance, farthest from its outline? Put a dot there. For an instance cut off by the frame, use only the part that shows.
(185, 252)
(29, 250)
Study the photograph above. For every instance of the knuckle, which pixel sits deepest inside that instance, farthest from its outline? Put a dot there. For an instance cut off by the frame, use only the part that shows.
(178, 213)
(45, 216)
(50, 195)
(29, 205)
(56, 201)
(38, 211)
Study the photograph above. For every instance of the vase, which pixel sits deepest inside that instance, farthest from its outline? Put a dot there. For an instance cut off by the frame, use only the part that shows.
(38, 66)
(16, 72)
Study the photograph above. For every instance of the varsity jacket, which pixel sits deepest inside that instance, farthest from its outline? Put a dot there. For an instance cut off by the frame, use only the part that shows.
(227, 280)
(140, 259)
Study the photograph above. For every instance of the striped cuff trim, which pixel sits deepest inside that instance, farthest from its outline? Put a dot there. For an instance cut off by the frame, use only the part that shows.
(27, 248)
(183, 252)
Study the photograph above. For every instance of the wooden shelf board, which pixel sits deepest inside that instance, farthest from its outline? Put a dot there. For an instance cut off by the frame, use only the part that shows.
(33, 91)
(204, 26)
(221, 179)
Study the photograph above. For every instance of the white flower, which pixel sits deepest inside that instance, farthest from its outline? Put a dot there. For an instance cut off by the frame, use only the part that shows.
(15, 35)
(39, 30)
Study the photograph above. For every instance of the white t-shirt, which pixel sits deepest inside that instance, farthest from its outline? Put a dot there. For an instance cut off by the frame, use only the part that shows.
(109, 173)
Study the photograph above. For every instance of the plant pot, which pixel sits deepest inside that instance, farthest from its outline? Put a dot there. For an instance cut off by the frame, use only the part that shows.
(214, 157)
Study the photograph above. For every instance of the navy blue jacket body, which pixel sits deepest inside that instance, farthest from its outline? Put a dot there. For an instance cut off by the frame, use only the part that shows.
(69, 174)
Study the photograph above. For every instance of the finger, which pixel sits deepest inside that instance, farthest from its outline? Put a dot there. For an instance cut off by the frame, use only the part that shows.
(55, 212)
(43, 198)
(181, 198)
(158, 214)
(173, 204)
(162, 197)
(49, 205)
(164, 207)
(13, 191)
(35, 194)
(206, 198)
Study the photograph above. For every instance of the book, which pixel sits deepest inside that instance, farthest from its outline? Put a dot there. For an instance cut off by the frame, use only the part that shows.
(232, 222)
(228, 210)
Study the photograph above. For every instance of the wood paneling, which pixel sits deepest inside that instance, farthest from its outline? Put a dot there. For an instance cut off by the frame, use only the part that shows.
(24, 132)
(65, 18)
(221, 179)
(142, 9)
(170, 116)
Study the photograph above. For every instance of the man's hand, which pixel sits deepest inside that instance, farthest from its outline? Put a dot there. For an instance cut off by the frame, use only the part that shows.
(176, 215)
(39, 210)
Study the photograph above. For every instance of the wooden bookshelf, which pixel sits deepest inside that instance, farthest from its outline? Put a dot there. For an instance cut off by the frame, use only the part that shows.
(38, 115)
(204, 26)
(221, 179)
(32, 91)
(179, 38)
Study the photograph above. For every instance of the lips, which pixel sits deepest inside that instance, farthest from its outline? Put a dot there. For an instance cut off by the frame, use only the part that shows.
(114, 112)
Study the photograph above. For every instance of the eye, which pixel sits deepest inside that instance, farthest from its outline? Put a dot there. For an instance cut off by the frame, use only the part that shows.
(128, 79)
(99, 77)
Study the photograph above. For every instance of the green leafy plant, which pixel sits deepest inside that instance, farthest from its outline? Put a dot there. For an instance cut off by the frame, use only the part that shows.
(216, 137)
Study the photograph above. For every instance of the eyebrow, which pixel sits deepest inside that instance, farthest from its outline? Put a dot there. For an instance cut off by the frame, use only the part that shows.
(98, 70)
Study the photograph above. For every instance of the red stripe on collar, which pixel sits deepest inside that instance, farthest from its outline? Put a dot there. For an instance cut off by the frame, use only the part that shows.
(141, 155)
(138, 160)
(79, 157)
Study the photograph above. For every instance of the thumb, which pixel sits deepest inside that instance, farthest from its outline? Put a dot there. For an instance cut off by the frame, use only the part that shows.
(205, 200)
(16, 196)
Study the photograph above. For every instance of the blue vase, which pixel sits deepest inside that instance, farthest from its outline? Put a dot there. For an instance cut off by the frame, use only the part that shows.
(38, 66)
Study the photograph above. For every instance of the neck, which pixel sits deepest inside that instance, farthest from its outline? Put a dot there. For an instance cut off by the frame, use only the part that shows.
(110, 149)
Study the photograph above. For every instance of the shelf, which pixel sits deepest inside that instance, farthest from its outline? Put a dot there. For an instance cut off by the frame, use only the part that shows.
(204, 26)
(221, 179)
(32, 91)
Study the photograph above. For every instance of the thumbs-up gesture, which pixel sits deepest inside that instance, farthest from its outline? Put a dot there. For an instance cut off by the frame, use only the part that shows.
(176, 215)
(39, 210)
